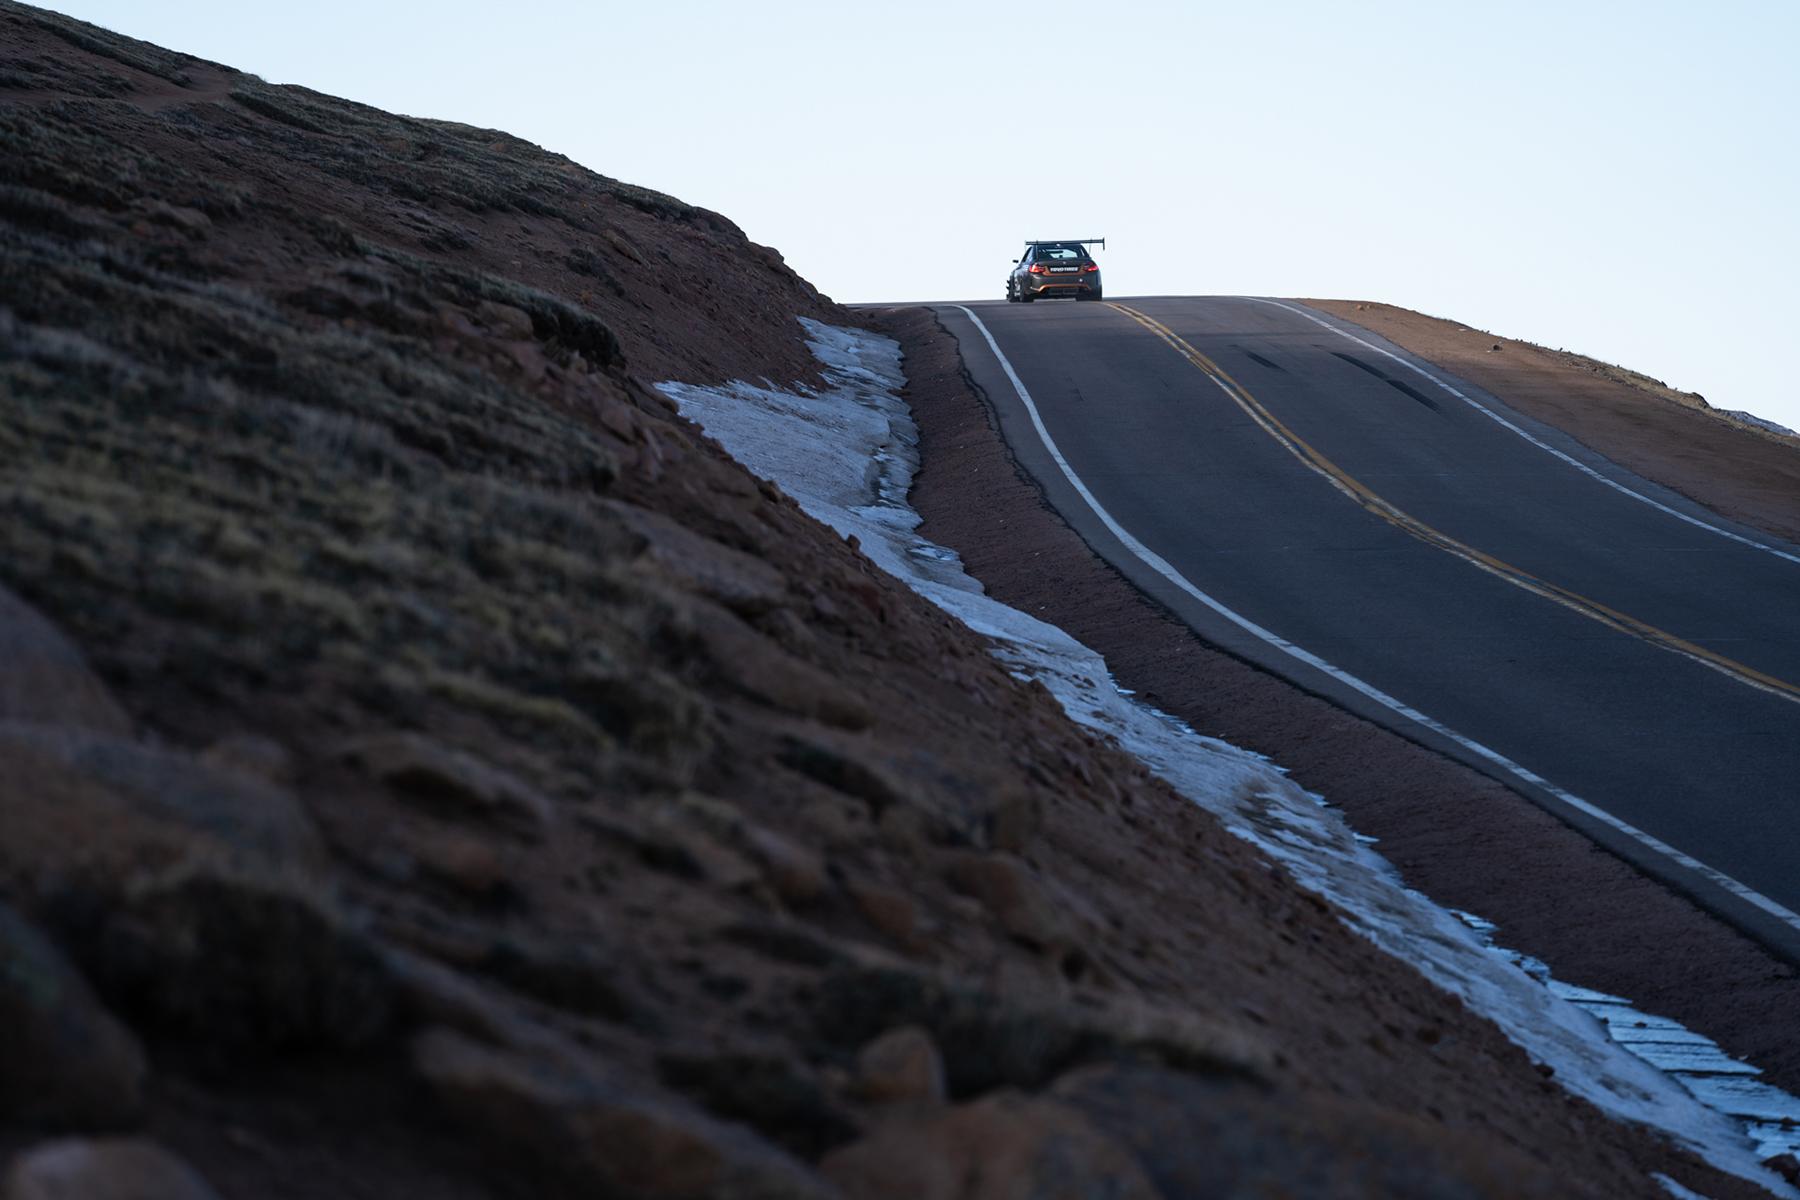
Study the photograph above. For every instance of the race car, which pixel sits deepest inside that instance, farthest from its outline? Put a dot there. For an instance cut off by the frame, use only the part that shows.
(1055, 269)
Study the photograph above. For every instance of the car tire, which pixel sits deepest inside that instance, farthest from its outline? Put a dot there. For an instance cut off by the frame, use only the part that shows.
(1026, 297)
(1012, 293)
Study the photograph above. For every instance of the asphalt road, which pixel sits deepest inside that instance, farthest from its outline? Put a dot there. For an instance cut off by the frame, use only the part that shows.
(1440, 573)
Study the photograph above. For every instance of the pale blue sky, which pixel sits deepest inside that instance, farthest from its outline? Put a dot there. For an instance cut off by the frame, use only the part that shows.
(1617, 178)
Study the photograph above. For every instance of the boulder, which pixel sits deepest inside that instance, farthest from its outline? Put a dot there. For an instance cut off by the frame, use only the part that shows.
(466, 863)
(1006, 887)
(113, 1169)
(755, 665)
(46, 679)
(797, 874)
(450, 782)
(585, 1131)
(773, 1091)
(64, 1060)
(581, 977)
(741, 582)
(1005, 1146)
(233, 958)
(1211, 1136)
(902, 1066)
(1006, 1037)
(163, 787)
(889, 910)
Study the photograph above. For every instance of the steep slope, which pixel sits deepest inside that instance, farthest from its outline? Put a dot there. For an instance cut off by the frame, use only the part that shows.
(429, 767)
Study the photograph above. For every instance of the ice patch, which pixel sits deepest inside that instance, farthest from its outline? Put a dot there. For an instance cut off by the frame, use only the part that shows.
(847, 453)
(1676, 1190)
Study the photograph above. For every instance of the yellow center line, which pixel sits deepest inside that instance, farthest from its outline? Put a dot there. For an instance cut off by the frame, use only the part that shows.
(1610, 617)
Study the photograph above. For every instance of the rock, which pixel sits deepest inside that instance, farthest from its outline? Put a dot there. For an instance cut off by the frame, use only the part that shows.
(67, 1061)
(586, 1132)
(796, 874)
(505, 320)
(849, 765)
(581, 978)
(771, 1092)
(683, 844)
(679, 838)
(431, 993)
(173, 789)
(648, 710)
(433, 775)
(987, 1040)
(46, 680)
(1016, 819)
(1217, 1137)
(235, 959)
(744, 584)
(1785, 1165)
(1006, 888)
(993, 1038)
(902, 1066)
(891, 911)
(254, 756)
(468, 864)
(755, 665)
(112, 1169)
(1001, 1147)
(1180, 1038)
(61, 825)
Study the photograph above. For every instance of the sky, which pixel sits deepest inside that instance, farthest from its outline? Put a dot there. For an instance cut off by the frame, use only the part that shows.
(1618, 179)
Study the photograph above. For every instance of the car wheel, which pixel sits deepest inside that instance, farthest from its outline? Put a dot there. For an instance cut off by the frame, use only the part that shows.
(1012, 293)
(1025, 297)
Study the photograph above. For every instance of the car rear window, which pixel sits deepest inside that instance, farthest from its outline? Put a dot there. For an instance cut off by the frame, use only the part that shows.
(1061, 252)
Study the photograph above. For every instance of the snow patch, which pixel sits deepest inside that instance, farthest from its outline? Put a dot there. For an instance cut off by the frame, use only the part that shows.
(847, 453)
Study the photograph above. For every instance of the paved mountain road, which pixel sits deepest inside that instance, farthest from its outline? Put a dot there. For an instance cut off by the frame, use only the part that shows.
(1434, 569)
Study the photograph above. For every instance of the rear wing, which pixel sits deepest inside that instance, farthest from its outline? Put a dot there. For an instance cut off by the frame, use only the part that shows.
(1100, 242)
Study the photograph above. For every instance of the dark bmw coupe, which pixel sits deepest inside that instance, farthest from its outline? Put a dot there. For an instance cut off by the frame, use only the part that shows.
(1055, 269)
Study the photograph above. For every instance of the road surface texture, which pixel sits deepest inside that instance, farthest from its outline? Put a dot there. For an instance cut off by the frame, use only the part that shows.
(1445, 566)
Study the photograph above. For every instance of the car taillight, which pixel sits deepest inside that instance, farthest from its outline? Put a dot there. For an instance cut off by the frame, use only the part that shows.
(1091, 267)
(1036, 268)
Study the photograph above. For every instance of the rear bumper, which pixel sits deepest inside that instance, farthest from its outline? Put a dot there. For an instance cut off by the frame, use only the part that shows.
(1066, 285)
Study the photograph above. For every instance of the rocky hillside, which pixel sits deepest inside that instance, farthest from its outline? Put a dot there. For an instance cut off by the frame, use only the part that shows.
(429, 767)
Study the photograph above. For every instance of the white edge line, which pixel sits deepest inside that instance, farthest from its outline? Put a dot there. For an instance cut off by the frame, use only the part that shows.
(1162, 567)
(1536, 441)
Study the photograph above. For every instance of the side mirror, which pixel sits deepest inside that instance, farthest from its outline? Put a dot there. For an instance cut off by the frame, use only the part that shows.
(1015, 262)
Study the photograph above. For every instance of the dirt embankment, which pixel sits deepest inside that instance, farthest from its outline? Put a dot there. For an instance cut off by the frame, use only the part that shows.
(1670, 437)
(429, 767)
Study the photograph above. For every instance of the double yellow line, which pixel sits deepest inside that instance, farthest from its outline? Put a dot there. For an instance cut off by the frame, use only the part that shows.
(1612, 618)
